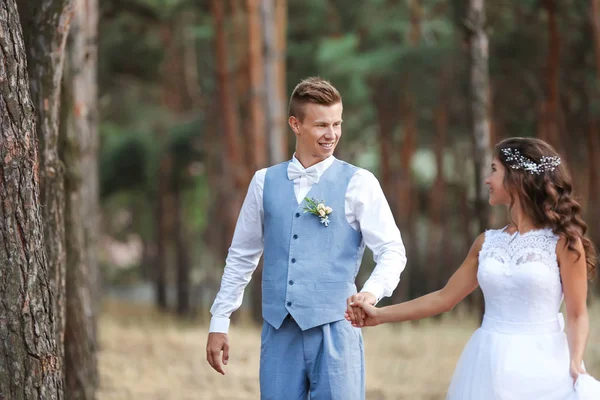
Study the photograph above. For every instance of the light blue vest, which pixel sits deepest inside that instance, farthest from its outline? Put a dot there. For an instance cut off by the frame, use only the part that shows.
(309, 269)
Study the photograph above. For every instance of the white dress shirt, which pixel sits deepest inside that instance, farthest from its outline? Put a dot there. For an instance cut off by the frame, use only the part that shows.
(367, 211)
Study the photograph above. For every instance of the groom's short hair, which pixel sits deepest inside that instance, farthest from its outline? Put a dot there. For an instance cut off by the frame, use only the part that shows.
(312, 90)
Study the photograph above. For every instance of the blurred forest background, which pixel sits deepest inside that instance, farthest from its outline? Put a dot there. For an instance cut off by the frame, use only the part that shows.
(193, 99)
(152, 116)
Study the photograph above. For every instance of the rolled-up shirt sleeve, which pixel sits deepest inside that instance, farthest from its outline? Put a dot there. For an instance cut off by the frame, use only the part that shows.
(242, 259)
(372, 212)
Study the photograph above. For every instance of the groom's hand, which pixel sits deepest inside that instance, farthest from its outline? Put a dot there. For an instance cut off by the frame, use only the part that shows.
(357, 314)
(216, 343)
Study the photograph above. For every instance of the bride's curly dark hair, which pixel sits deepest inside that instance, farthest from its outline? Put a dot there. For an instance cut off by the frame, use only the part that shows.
(546, 197)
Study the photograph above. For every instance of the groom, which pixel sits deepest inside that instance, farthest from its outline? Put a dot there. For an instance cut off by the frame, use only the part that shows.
(311, 260)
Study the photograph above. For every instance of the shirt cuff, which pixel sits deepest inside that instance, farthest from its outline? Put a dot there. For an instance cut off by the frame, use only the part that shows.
(219, 324)
(374, 291)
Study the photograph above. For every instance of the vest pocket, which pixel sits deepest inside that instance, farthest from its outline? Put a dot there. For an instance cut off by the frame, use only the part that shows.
(334, 286)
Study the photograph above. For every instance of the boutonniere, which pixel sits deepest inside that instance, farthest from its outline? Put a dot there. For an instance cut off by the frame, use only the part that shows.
(319, 209)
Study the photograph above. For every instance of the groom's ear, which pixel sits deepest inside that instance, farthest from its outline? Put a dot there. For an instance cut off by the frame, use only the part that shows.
(293, 122)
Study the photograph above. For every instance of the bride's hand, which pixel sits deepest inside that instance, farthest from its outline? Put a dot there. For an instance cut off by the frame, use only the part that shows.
(576, 369)
(372, 314)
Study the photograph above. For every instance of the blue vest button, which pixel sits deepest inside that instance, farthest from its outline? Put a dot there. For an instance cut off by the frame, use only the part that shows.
(297, 215)
(295, 236)
(293, 260)
(291, 282)
(289, 303)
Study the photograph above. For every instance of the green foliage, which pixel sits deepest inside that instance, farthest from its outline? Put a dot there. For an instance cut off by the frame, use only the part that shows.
(365, 49)
(123, 164)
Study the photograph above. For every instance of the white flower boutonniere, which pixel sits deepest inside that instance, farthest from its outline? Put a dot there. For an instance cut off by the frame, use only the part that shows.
(319, 209)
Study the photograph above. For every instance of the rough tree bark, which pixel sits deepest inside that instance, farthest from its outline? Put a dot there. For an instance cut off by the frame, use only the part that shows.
(550, 111)
(479, 98)
(258, 131)
(79, 151)
(594, 136)
(256, 77)
(45, 27)
(273, 23)
(480, 120)
(30, 363)
(281, 18)
(234, 175)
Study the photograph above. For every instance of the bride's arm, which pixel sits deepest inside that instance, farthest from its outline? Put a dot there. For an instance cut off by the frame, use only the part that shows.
(573, 271)
(462, 282)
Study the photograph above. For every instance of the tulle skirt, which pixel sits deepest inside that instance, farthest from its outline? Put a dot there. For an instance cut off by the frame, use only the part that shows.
(508, 361)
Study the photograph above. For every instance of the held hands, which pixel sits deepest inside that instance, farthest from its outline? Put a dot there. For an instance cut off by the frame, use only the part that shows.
(216, 343)
(361, 311)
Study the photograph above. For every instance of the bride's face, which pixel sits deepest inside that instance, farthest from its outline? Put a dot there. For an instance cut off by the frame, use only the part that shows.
(495, 180)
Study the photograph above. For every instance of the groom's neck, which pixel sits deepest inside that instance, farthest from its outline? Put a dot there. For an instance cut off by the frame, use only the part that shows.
(308, 160)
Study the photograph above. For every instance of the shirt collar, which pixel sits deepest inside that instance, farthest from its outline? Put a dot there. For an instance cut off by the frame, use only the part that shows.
(319, 167)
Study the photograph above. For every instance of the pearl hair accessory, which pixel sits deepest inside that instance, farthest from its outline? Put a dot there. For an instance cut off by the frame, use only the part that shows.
(517, 161)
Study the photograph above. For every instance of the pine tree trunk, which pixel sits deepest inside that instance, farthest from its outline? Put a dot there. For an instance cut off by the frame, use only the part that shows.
(386, 144)
(258, 130)
(233, 171)
(595, 22)
(79, 150)
(281, 22)
(256, 77)
(274, 55)
(438, 252)
(30, 361)
(45, 27)
(161, 227)
(182, 251)
(551, 113)
(594, 137)
(479, 98)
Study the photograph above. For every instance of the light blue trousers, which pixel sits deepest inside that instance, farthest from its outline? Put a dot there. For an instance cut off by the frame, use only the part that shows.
(322, 363)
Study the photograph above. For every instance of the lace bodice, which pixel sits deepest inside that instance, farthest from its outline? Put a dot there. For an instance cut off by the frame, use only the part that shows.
(519, 276)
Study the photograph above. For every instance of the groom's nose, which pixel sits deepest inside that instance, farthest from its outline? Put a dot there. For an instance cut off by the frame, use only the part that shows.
(330, 133)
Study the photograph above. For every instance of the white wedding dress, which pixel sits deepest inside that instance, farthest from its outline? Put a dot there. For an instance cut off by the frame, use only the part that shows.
(520, 352)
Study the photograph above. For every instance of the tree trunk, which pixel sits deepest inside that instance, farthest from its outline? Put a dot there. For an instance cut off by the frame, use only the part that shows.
(79, 150)
(161, 229)
(594, 136)
(273, 34)
(551, 114)
(479, 98)
(405, 204)
(256, 100)
(386, 144)
(595, 21)
(258, 131)
(594, 183)
(234, 174)
(438, 197)
(182, 251)
(30, 364)
(281, 19)
(45, 27)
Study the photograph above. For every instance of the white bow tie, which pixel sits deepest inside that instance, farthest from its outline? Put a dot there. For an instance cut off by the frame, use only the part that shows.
(295, 171)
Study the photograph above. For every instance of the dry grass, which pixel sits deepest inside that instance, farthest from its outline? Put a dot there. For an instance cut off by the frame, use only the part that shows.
(145, 355)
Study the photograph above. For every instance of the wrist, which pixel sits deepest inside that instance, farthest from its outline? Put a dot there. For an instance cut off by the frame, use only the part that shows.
(380, 316)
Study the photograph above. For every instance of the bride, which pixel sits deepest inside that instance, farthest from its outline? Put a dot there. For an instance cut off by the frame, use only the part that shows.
(525, 269)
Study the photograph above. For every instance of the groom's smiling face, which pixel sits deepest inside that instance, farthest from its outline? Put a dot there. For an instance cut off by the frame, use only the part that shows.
(318, 132)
